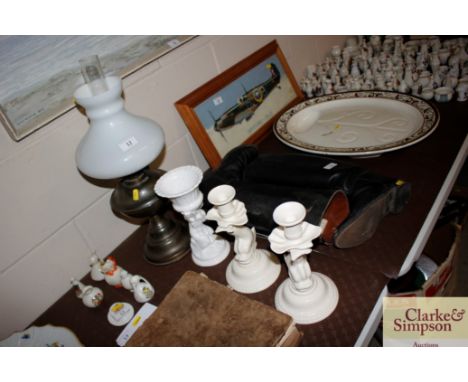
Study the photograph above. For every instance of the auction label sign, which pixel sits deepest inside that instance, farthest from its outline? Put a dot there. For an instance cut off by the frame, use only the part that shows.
(425, 321)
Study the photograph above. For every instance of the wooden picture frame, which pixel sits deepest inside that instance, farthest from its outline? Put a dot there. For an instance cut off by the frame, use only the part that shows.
(241, 104)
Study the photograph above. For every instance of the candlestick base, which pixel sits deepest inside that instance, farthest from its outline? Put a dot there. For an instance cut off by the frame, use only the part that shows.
(211, 255)
(254, 276)
(310, 305)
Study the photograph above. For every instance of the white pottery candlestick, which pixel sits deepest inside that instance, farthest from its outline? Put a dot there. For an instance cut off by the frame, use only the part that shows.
(306, 296)
(180, 185)
(252, 270)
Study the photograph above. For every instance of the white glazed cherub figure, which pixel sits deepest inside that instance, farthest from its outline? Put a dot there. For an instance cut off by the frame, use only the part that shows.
(201, 235)
(233, 222)
(245, 243)
(297, 240)
(306, 296)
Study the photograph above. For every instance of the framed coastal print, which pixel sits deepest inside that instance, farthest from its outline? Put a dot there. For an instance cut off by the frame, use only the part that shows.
(241, 104)
(38, 74)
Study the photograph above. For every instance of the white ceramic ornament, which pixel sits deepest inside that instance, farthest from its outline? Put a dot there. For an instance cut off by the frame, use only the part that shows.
(306, 296)
(112, 272)
(125, 280)
(143, 291)
(427, 93)
(462, 91)
(443, 94)
(96, 264)
(252, 270)
(180, 185)
(89, 295)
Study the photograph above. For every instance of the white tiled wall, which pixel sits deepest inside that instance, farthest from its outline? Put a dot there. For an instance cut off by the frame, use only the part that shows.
(52, 219)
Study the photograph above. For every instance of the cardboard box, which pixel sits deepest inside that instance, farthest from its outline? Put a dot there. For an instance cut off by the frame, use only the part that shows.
(443, 281)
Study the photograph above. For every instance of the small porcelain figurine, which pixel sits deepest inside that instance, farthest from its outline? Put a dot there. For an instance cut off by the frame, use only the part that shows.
(91, 296)
(112, 272)
(355, 73)
(356, 84)
(380, 82)
(344, 72)
(306, 296)
(403, 87)
(125, 280)
(375, 43)
(143, 291)
(436, 80)
(180, 185)
(335, 51)
(368, 84)
(450, 81)
(462, 91)
(327, 87)
(252, 270)
(416, 90)
(310, 71)
(443, 94)
(434, 62)
(427, 93)
(97, 274)
(444, 55)
(454, 71)
(424, 79)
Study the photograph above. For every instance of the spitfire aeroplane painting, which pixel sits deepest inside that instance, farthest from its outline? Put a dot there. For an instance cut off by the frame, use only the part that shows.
(240, 104)
(248, 102)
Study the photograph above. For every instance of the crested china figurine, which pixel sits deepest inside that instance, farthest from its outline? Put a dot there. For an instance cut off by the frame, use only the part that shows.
(394, 65)
(112, 272)
(91, 296)
(143, 291)
(125, 280)
(96, 264)
(443, 94)
(427, 93)
(115, 276)
(462, 91)
(252, 270)
(180, 185)
(306, 296)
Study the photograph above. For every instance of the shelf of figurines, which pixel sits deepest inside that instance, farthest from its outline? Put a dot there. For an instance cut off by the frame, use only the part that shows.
(429, 68)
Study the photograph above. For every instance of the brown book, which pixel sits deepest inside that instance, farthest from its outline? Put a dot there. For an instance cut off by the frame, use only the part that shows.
(201, 312)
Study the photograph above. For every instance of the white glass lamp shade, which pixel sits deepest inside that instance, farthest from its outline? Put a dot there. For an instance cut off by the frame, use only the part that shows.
(117, 143)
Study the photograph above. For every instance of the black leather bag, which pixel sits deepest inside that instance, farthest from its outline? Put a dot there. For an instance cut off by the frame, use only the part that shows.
(351, 199)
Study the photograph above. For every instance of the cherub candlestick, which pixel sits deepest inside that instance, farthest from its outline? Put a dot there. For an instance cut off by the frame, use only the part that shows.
(180, 185)
(306, 296)
(252, 270)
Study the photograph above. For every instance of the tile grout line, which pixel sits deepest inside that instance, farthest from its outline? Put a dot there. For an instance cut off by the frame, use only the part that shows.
(71, 220)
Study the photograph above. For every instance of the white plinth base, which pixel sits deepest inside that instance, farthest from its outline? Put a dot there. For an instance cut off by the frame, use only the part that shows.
(311, 305)
(255, 276)
(211, 255)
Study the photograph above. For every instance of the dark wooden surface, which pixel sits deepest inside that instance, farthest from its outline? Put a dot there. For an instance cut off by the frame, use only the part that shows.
(360, 273)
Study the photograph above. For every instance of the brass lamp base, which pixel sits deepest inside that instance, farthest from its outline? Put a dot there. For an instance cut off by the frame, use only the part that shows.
(167, 239)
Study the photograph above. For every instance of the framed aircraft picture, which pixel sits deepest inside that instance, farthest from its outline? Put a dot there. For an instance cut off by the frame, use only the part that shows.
(241, 104)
